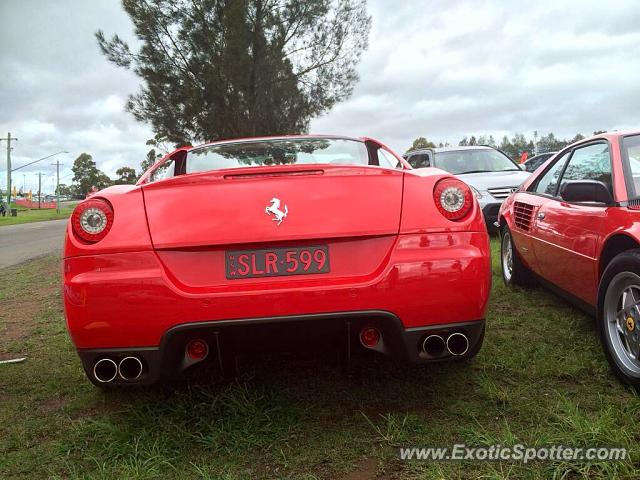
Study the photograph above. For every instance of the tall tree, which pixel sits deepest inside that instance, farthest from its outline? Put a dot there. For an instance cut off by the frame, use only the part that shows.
(86, 174)
(126, 176)
(216, 68)
(421, 142)
(149, 160)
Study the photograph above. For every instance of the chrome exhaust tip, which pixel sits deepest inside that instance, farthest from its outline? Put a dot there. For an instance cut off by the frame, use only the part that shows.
(105, 370)
(130, 368)
(457, 344)
(433, 345)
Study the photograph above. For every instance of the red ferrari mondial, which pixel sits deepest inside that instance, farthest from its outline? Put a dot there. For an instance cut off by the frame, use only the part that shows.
(271, 243)
(575, 225)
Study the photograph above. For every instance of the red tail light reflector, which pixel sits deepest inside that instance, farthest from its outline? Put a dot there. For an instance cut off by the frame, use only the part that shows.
(453, 198)
(370, 337)
(197, 349)
(92, 220)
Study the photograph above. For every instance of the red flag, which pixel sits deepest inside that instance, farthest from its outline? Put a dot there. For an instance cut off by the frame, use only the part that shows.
(523, 157)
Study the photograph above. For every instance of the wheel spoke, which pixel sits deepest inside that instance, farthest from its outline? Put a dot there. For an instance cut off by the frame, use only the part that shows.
(635, 297)
(627, 299)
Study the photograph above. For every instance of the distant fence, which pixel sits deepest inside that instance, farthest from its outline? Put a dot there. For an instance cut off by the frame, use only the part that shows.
(31, 204)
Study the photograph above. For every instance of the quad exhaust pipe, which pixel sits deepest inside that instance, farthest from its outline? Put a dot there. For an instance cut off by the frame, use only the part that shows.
(435, 345)
(457, 344)
(130, 368)
(106, 370)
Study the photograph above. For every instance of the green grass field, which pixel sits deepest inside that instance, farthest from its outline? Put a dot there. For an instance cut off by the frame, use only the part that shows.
(540, 379)
(35, 215)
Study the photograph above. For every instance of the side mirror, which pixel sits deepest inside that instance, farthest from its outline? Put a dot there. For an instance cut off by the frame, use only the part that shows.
(586, 191)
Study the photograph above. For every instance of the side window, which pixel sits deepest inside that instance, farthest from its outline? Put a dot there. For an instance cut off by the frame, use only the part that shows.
(631, 162)
(589, 163)
(547, 183)
(386, 159)
(166, 170)
(419, 160)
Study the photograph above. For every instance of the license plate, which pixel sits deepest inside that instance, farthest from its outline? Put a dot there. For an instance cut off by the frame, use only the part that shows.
(277, 262)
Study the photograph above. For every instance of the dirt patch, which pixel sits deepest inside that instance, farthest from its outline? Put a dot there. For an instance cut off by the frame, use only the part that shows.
(52, 404)
(365, 471)
(25, 292)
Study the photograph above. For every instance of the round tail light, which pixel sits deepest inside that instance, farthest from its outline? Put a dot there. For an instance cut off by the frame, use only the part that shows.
(370, 337)
(453, 198)
(92, 220)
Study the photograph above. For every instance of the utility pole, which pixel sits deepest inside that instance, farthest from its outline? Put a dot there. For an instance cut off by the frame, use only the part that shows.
(39, 189)
(57, 164)
(8, 140)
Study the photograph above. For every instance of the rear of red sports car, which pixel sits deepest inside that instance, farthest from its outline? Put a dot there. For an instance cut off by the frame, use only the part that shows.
(260, 244)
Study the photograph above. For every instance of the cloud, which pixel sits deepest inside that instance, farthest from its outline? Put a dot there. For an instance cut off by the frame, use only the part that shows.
(449, 69)
(439, 69)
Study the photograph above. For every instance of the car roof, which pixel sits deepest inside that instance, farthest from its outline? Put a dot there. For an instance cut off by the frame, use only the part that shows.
(541, 154)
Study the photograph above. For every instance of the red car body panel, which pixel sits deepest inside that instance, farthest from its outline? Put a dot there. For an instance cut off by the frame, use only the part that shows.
(330, 201)
(162, 264)
(565, 247)
(136, 293)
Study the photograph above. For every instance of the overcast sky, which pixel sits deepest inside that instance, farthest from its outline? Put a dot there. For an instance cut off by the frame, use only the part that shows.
(439, 69)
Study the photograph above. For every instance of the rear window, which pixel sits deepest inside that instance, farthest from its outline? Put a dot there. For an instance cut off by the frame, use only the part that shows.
(295, 151)
(631, 159)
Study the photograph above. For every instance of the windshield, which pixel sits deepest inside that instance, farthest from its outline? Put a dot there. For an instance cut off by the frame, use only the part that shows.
(460, 162)
(293, 151)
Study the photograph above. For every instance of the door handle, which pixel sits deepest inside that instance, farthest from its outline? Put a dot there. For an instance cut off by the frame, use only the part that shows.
(541, 216)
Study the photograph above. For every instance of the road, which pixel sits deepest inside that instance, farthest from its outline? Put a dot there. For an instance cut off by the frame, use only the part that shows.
(19, 243)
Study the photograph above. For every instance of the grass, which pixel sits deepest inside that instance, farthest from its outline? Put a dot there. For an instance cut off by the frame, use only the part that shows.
(26, 215)
(540, 379)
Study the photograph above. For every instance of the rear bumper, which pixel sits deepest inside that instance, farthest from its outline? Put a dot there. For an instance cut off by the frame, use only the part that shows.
(337, 331)
(131, 300)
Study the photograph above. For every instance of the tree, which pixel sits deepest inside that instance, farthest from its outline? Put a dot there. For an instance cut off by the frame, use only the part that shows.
(126, 176)
(149, 160)
(103, 181)
(577, 138)
(473, 141)
(549, 143)
(86, 175)
(218, 69)
(464, 142)
(65, 190)
(421, 142)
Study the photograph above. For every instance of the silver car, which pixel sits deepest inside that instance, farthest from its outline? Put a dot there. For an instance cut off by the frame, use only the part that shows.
(490, 173)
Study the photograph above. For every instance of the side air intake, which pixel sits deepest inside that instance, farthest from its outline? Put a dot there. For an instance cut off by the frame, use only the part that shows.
(523, 213)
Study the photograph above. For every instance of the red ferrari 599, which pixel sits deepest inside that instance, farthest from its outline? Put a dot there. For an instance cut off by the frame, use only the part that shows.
(273, 243)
